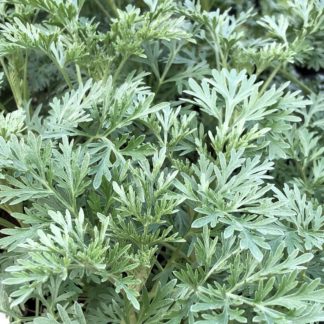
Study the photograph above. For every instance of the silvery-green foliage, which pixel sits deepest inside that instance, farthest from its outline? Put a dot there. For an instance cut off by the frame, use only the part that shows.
(161, 161)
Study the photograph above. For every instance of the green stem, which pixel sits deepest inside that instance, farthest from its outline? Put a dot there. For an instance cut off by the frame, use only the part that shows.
(120, 67)
(102, 8)
(177, 249)
(293, 79)
(216, 56)
(167, 67)
(26, 90)
(81, 4)
(219, 56)
(15, 92)
(142, 275)
(66, 204)
(79, 76)
(174, 256)
(241, 299)
(113, 7)
(63, 72)
(5, 223)
(301, 170)
(218, 264)
(206, 5)
(66, 77)
(269, 80)
(37, 308)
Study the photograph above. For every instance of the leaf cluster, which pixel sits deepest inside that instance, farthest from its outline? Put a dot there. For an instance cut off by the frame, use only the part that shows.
(161, 161)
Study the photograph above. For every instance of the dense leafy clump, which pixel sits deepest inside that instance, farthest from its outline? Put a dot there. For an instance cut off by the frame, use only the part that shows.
(162, 161)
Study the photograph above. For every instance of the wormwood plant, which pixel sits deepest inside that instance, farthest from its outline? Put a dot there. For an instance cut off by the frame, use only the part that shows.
(162, 161)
